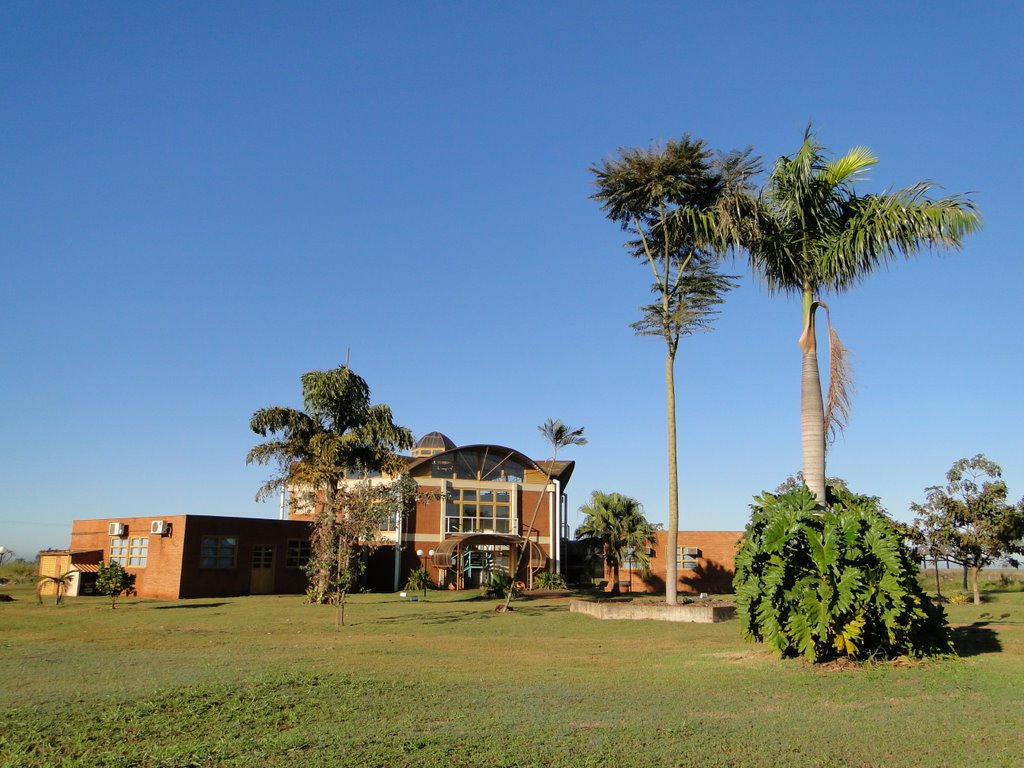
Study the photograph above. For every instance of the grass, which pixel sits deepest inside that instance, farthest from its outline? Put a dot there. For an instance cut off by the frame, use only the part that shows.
(449, 682)
(951, 582)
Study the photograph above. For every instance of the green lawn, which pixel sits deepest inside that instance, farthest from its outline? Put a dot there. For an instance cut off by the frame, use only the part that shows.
(260, 681)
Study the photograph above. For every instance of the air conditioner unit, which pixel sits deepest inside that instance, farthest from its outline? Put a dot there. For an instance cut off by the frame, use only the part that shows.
(691, 551)
(117, 529)
(160, 528)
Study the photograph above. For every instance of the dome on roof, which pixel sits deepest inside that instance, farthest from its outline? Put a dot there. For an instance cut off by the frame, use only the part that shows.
(431, 444)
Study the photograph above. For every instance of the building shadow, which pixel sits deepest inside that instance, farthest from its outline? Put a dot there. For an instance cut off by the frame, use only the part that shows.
(189, 605)
(975, 639)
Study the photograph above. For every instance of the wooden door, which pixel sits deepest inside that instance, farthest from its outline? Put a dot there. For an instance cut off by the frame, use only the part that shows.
(262, 579)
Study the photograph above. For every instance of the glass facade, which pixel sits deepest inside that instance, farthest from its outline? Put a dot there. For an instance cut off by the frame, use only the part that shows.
(486, 464)
(478, 510)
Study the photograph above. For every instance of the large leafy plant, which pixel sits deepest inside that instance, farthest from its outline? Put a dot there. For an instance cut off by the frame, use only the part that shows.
(832, 582)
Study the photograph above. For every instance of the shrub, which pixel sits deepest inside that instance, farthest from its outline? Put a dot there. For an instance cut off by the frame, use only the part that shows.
(835, 582)
(419, 580)
(498, 584)
(958, 598)
(548, 580)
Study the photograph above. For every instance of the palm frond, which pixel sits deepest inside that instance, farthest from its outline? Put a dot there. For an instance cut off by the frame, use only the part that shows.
(840, 384)
(559, 435)
(849, 168)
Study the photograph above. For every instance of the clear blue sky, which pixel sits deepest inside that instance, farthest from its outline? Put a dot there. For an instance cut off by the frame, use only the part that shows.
(201, 201)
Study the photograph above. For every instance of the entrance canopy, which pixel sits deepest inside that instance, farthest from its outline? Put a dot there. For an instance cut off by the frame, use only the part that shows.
(460, 542)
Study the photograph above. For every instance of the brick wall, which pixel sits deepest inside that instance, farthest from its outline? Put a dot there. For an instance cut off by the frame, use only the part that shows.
(714, 565)
(173, 568)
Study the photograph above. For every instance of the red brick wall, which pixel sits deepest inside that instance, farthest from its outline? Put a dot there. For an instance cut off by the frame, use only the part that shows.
(714, 570)
(162, 575)
(172, 568)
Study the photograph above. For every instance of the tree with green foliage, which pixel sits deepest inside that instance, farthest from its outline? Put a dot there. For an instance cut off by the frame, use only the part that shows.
(346, 531)
(811, 232)
(832, 582)
(680, 206)
(969, 520)
(796, 481)
(113, 581)
(617, 522)
(338, 429)
(558, 436)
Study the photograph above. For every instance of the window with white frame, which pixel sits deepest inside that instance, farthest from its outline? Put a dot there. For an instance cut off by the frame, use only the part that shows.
(130, 553)
(686, 558)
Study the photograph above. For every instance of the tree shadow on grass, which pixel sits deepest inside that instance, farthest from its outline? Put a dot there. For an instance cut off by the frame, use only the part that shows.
(535, 610)
(452, 617)
(975, 639)
(431, 618)
(187, 605)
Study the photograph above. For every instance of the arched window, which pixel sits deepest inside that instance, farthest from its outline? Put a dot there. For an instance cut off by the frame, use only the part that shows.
(484, 463)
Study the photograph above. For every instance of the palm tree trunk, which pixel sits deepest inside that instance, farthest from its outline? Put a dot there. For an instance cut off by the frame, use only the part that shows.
(673, 480)
(516, 561)
(812, 408)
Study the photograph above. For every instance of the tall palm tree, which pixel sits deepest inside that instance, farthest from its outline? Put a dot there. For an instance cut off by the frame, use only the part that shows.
(811, 232)
(680, 205)
(339, 429)
(617, 522)
(558, 436)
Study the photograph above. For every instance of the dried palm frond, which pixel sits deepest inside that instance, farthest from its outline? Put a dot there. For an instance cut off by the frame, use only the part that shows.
(840, 383)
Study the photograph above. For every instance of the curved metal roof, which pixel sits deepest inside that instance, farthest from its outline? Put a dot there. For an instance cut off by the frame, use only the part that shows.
(509, 453)
(444, 551)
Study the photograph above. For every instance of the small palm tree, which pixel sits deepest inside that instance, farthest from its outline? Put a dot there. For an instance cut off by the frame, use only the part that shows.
(559, 436)
(618, 523)
(811, 232)
(61, 584)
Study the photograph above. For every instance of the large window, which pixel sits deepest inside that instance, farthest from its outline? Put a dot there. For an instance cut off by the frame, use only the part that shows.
(218, 551)
(476, 510)
(131, 553)
(298, 553)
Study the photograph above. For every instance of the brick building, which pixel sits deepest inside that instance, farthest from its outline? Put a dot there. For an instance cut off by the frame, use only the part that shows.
(482, 507)
(189, 555)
